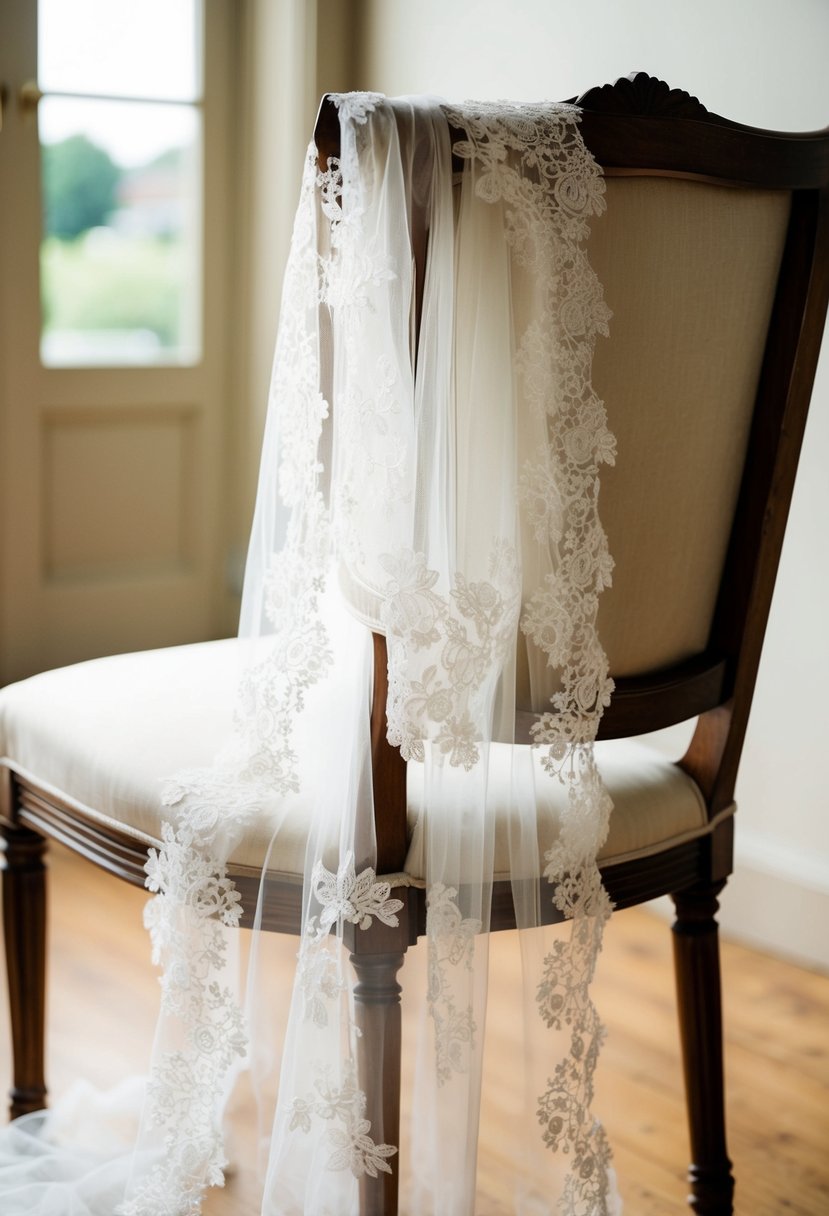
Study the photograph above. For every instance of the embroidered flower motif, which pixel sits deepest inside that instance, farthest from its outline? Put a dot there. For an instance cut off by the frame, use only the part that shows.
(443, 649)
(301, 1112)
(353, 897)
(194, 900)
(451, 939)
(339, 1101)
(457, 741)
(318, 974)
(541, 499)
(343, 1105)
(356, 107)
(411, 608)
(356, 1151)
(180, 870)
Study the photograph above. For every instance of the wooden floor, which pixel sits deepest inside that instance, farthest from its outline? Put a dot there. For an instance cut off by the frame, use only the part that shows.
(103, 997)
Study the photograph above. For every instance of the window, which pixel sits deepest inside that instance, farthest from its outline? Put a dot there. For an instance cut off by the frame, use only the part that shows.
(120, 124)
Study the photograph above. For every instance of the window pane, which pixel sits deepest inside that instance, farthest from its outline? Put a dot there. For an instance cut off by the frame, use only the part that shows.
(120, 48)
(120, 267)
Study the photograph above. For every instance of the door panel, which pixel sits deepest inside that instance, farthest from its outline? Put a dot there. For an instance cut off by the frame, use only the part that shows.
(111, 478)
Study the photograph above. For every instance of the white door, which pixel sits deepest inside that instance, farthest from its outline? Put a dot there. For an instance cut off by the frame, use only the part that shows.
(113, 268)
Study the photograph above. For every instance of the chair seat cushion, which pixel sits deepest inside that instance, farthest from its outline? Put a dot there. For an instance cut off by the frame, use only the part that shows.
(104, 735)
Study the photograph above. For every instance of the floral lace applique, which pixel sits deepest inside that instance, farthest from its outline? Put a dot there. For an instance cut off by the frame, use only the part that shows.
(343, 1106)
(348, 896)
(356, 107)
(344, 896)
(195, 900)
(319, 975)
(373, 456)
(451, 945)
(443, 649)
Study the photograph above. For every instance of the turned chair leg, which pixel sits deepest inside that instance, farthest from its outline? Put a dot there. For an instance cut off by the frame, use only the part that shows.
(697, 968)
(377, 1007)
(24, 931)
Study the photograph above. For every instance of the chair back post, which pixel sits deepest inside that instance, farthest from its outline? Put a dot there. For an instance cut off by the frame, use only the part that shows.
(774, 449)
(388, 775)
(639, 126)
(755, 548)
(327, 133)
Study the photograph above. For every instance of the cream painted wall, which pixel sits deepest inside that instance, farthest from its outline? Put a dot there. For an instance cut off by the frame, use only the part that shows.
(276, 77)
(757, 61)
(762, 63)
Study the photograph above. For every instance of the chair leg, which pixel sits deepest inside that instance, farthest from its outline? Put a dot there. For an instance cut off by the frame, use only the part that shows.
(24, 931)
(697, 969)
(377, 1004)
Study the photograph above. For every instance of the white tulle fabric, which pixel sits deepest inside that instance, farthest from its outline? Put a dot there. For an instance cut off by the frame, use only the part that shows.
(435, 476)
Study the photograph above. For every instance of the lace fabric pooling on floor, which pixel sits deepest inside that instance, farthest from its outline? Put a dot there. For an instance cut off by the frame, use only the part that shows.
(434, 477)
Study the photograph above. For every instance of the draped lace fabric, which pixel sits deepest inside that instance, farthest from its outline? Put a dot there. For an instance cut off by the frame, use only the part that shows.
(430, 469)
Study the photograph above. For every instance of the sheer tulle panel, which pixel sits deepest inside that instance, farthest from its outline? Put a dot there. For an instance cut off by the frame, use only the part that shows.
(446, 464)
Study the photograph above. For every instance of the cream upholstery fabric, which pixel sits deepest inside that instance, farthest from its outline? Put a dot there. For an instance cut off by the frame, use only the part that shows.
(689, 271)
(105, 734)
(679, 374)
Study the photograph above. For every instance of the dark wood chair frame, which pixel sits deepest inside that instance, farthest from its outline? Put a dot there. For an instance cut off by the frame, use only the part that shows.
(638, 126)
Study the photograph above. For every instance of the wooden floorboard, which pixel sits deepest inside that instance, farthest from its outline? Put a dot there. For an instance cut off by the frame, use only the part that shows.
(103, 998)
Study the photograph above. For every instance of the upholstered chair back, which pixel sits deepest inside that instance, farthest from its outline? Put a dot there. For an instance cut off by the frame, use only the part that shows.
(689, 271)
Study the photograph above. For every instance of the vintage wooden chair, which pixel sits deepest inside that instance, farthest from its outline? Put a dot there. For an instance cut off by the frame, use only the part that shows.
(714, 255)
